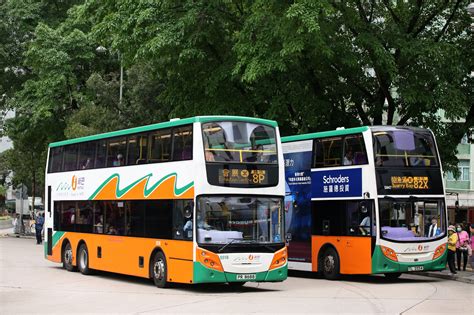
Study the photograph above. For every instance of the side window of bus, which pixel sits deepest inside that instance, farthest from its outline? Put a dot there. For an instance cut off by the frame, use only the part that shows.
(183, 143)
(87, 155)
(354, 150)
(114, 217)
(328, 152)
(68, 215)
(183, 220)
(136, 218)
(137, 149)
(57, 216)
(359, 218)
(55, 159)
(158, 218)
(84, 216)
(70, 158)
(98, 218)
(160, 146)
(116, 151)
(101, 156)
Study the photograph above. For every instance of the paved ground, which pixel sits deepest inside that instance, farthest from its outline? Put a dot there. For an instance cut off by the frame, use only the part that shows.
(31, 284)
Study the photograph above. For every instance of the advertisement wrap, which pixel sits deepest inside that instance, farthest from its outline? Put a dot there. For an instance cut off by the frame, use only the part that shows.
(298, 199)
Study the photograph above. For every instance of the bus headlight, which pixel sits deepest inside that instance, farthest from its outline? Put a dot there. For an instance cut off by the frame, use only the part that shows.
(439, 251)
(389, 253)
(279, 259)
(209, 259)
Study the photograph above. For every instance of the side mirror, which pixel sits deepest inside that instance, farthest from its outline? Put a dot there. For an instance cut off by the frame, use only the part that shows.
(288, 237)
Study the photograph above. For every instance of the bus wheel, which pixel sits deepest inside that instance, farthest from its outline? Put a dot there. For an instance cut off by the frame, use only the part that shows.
(83, 260)
(331, 264)
(393, 276)
(159, 270)
(67, 258)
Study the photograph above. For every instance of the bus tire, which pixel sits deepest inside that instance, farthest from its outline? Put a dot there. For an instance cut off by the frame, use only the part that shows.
(392, 276)
(330, 264)
(159, 270)
(67, 258)
(83, 260)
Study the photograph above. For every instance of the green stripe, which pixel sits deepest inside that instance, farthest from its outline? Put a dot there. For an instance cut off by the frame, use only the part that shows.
(323, 134)
(202, 274)
(56, 237)
(381, 264)
(162, 125)
(120, 192)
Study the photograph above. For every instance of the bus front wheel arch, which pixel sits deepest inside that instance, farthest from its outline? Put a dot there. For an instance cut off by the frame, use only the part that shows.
(329, 262)
(67, 256)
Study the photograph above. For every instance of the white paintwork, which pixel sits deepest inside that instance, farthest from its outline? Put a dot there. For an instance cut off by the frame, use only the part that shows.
(294, 265)
(246, 263)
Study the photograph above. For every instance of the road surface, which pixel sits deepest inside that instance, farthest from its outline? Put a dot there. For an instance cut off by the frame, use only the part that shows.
(31, 284)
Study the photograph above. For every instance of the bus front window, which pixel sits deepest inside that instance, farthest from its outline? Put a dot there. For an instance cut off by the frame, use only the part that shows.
(412, 220)
(241, 142)
(223, 219)
(404, 148)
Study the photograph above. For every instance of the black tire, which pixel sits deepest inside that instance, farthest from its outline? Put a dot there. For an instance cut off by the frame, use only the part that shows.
(393, 276)
(68, 257)
(159, 270)
(83, 260)
(330, 264)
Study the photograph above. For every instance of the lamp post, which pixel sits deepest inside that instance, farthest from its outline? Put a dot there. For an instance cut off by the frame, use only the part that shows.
(102, 50)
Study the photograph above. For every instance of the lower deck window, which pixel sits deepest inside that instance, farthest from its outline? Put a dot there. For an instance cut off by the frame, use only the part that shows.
(139, 218)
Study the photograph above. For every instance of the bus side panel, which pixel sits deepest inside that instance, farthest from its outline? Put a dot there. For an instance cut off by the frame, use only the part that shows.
(122, 254)
(354, 253)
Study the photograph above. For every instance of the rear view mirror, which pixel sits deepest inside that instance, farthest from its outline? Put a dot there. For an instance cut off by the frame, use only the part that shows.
(288, 237)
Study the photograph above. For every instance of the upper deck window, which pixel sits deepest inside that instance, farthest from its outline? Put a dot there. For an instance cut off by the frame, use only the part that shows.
(239, 142)
(405, 148)
(340, 151)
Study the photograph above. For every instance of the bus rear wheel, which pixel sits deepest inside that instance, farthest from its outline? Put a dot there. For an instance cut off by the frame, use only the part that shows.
(330, 264)
(83, 260)
(159, 270)
(393, 276)
(68, 257)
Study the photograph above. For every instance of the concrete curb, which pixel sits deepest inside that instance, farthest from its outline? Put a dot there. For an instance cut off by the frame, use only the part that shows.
(440, 275)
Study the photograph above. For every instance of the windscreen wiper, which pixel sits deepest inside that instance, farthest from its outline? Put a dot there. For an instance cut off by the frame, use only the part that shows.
(227, 244)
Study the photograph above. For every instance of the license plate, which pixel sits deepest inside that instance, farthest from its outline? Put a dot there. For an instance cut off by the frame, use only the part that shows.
(248, 276)
(416, 268)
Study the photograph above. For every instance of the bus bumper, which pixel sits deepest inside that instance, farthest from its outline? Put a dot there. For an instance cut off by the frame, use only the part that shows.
(381, 264)
(202, 274)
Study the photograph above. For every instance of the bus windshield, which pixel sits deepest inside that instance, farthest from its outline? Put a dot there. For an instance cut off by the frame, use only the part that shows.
(405, 148)
(412, 219)
(241, 142)
(223, 219)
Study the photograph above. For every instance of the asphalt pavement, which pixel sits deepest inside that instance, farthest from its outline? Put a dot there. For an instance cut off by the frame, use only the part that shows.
(31, 284)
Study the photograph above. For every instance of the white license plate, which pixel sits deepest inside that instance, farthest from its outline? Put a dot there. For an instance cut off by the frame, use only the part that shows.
(248, 276)
(416, 268)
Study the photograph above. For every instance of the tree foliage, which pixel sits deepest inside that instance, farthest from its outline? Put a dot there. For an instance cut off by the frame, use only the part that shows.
(310, 65)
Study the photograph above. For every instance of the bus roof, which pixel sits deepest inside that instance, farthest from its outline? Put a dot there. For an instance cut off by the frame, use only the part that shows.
(167, 124)
(332, 133)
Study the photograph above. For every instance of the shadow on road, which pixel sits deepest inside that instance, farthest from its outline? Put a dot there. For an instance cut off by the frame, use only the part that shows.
(375, 279)
(205, 288)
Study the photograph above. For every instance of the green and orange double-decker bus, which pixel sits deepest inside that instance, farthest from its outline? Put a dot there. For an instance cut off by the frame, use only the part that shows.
(367, 200)
(192, 200)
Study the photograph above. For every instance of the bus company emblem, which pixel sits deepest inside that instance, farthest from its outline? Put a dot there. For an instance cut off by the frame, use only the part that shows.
(420, 248)
(74, 183)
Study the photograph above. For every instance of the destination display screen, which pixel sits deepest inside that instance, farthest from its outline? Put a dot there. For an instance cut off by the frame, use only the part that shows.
(242, 175)
(412, 182)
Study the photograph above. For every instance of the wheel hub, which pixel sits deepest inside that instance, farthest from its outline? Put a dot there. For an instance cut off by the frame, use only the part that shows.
(83, 259)
(159, 269)
(329, 263)
(68, 256)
